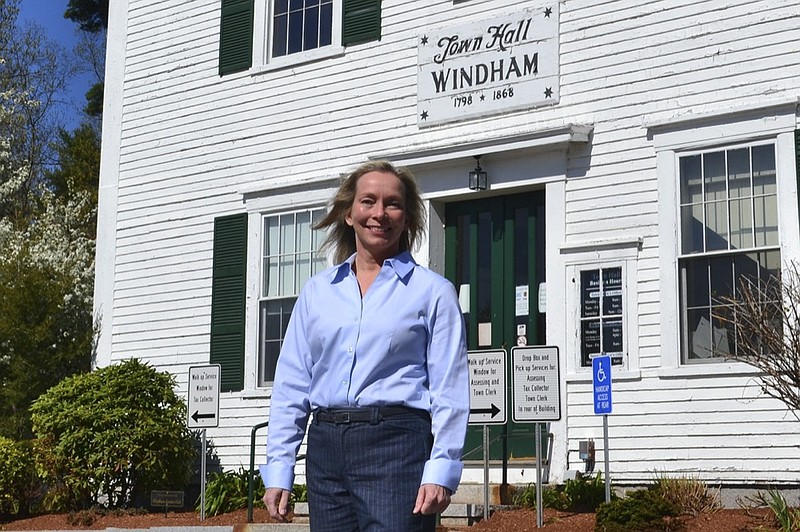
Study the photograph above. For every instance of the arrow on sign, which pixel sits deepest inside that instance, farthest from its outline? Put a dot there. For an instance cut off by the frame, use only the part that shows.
(197, 415)
(493, 411)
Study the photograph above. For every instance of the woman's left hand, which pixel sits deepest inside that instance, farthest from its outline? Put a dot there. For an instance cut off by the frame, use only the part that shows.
(432, 499)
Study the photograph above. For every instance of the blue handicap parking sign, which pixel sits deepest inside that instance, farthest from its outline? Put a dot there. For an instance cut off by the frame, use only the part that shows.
(601, 383)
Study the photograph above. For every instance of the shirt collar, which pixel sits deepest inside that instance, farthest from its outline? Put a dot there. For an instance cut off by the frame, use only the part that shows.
(402, 264)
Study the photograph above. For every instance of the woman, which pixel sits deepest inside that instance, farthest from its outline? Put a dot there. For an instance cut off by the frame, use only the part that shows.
(375, 350)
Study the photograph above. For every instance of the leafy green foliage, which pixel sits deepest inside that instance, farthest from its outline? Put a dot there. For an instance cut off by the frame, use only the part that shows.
(228, 491)
(17, 477)
(580, 495)
(299, 493)
(788, 519)
(117, 432)
(640, 510)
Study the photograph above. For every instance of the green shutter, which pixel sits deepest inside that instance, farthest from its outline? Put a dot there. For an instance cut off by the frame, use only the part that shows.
(236, 36)
(228, 299)
(361, 21)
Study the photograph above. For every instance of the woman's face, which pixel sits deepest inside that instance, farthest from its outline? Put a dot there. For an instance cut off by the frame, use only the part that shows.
(378, 215)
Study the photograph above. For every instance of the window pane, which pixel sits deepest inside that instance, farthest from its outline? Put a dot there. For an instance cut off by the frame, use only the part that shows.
(612, 291)
(741, 223)
(699, 329)
(691, 180)
(590, 341)
(590, 293)
(766, 220)
(295, 43)
(287, 233)
(714, 176)
(326, 24)
(739, 173)
(764, 169)
(692, 228)
(296, 5)
(286, 275)
(721, 270)
(311, 29)
(716, 226)
(281, 6)
(272, 236)
(304, 231)
(280, 35)
(612, 336)
(694, 276)
(271, 277)
(723, 335)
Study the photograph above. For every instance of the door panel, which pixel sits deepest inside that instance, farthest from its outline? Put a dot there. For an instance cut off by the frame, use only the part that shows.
(494, 256)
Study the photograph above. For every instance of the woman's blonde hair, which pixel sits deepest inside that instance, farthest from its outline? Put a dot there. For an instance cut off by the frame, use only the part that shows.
(342, 238)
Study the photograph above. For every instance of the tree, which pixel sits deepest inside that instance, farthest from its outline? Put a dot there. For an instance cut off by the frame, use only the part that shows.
(764, 317)
(91, 15)
(115, 433)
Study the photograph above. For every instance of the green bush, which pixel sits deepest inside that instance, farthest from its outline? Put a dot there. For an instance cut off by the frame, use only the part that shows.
(228, 491)
(112, 434)
(586, 493)
(17, 477)
(639, 511)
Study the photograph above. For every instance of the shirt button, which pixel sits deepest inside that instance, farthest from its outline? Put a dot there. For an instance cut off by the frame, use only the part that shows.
(349, 349)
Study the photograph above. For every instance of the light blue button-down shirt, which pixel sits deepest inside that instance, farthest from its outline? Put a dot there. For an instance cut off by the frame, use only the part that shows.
(402, 344)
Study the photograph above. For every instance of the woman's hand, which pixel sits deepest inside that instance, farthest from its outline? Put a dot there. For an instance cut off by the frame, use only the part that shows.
(432, 499)
(277, 502)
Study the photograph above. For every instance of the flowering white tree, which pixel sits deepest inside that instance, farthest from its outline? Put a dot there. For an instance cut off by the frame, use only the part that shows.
(46, 280)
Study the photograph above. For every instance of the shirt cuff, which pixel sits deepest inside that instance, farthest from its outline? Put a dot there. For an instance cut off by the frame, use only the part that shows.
(443, 472)
(277, 476)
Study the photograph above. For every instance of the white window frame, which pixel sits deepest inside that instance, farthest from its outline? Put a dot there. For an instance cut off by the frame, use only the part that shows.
(279, 198)
(602, 254)
(262, 40)
(774, 122)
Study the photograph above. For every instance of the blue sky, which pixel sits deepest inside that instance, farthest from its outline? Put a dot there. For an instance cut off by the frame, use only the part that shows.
(50, 15)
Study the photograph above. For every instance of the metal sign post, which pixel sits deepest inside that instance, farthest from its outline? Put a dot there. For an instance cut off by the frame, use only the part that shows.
(601, 384)
(537, 398)
(203, 412)
(487, 401)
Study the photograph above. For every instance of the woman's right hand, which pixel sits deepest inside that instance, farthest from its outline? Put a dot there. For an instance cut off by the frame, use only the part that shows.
(277, 502)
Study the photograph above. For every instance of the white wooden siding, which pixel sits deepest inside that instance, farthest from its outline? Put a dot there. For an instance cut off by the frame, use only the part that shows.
(191, 141)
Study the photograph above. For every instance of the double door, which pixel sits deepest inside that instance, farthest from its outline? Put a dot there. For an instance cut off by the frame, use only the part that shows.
(495, 257)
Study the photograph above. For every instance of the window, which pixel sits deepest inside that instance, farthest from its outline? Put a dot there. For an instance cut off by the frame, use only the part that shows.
(300, 25)
(601, 317)
(728, 230)
(277, 33)
(290, 255)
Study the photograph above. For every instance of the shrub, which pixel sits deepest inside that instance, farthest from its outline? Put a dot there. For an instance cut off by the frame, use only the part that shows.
(17, 477)
(640, 510)
(586, 494)
(689, 495)
(228, 491)
(580, 495)
(112, 434)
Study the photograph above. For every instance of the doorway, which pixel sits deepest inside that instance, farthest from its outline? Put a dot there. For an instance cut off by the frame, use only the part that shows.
(495, 257)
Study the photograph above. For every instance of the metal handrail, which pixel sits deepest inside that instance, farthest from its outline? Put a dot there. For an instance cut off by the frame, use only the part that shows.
(250, 487)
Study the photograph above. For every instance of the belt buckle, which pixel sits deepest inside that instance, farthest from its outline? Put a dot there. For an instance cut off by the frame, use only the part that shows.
(342, 417)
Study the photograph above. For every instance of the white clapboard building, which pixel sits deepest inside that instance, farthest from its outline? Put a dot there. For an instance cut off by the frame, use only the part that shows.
(596, 173)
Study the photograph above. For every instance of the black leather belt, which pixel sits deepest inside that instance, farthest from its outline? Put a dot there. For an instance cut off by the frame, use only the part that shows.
(367, 414)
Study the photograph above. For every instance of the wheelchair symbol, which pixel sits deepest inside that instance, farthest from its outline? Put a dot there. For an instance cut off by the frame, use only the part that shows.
(601, 375)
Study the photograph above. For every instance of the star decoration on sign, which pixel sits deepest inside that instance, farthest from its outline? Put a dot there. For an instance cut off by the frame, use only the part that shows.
(424, 115)
(483, 97)
(547, 12)
(548, 92)
(424, 39)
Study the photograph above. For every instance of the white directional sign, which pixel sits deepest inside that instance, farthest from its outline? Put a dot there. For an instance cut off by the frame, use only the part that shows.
(487, 387)
(536, 375)
(203, 411)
